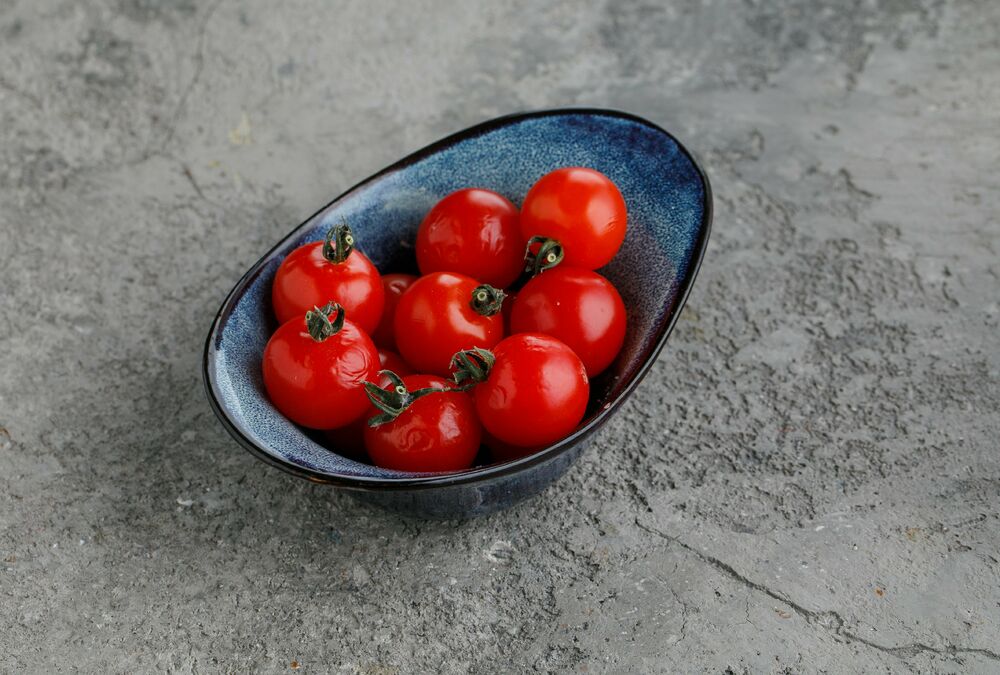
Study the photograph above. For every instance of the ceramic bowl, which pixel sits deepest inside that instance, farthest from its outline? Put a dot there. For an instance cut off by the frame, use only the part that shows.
(669, 215)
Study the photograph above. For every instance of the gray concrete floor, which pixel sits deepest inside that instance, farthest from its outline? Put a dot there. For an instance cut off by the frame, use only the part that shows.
(808, 480)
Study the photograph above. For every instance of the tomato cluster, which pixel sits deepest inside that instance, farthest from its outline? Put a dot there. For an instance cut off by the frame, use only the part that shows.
(492, 346)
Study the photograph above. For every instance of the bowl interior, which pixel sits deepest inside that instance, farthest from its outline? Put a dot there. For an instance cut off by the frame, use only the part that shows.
(667, 199)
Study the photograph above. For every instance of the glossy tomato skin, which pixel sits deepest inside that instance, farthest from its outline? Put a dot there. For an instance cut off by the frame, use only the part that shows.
(394, 286)
(437, 432)
(319, 385)
(577, 306)
(306, 279)
(435, 319)
(536, 391)
(473, 232)
(581, 208)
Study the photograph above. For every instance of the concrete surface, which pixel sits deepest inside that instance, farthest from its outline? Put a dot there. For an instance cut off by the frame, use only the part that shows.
(807, 482)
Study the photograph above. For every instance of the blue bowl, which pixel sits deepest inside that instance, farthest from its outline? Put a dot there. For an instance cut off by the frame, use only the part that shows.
(669, 216)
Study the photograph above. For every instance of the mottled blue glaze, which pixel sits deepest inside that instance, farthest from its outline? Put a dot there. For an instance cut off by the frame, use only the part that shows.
(669, 205)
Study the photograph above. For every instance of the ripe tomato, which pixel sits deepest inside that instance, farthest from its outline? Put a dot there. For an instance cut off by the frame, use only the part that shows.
(472, 232)
(394, 285)
(532, 389)
(329, 271)
(349, 441)
(577, 306)
(582, 209)
(444, 313)
(315, 369)
(424, 426)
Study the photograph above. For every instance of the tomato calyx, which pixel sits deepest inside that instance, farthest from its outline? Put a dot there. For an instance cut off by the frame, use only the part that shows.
(549, 254)
(472, 366)
(339, 243)
(393, 401)
(320, 325)
(487, 300)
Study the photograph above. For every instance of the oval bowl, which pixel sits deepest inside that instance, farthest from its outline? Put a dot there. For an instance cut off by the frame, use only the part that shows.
(669, 216)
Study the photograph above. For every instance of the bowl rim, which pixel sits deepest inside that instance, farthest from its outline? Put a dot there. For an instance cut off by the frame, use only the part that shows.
(381, 483)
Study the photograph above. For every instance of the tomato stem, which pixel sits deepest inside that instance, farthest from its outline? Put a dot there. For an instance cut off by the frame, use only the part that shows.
(472, 366)
(549, 254)
(319, 324)
(339, 243)
(393, 401)
(487, 300)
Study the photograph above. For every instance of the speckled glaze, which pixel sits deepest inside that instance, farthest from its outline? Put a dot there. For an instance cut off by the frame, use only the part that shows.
(669, 203)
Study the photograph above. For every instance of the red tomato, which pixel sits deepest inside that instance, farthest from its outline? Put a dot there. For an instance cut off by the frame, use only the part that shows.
(444, 313)
(329, 271)
(532, 389)
(315, 369)
(577, 306)
(473, 232)
(395, 285)
(582, 209)
(430, 427)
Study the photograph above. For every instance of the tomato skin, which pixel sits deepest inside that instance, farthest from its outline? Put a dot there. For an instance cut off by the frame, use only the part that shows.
(394, 286)
(473, 232)
(536, 391)
(437, 432)
(319, 385)
(435, 319)
(306, 279)
(578, 307)
(581, 208)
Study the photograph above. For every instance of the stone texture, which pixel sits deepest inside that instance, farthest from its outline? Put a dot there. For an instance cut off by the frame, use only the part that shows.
(807, 481)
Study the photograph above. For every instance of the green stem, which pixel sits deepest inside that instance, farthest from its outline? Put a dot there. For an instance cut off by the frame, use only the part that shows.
(394, 401)
(549, 254)
(472, 366)
(319, 324)
(487, 300)
(339, 243)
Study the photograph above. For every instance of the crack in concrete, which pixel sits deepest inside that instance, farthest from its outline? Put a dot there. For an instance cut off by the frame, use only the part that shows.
(199, 58)
(830, 620)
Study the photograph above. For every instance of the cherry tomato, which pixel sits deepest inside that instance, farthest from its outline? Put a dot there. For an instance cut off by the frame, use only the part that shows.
(329, 271)
(315, 369)
(395, 285)
(444, 313)
(425, 426)
(472, 232)
(582, 209)
(532, 389)
(577, 306)
(349, 441)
